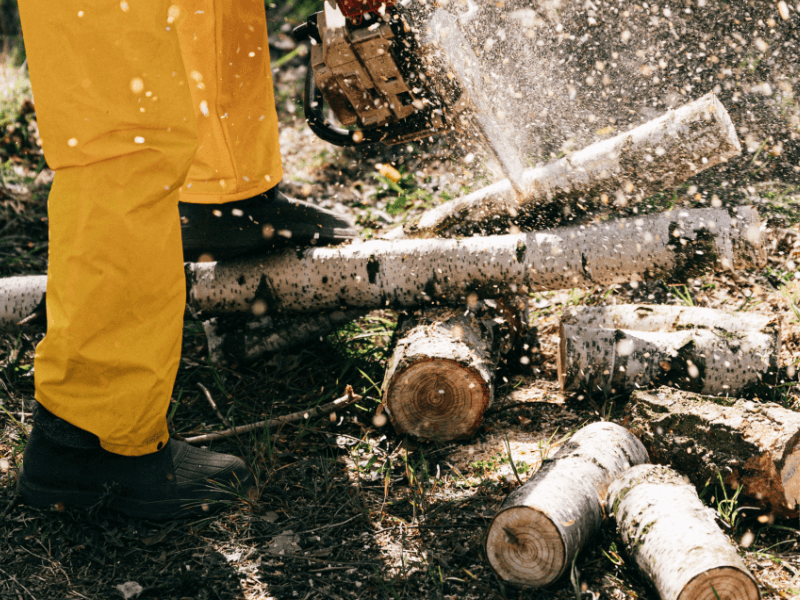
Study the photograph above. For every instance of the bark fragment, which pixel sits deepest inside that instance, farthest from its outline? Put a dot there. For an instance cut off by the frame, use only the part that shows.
(751, 444)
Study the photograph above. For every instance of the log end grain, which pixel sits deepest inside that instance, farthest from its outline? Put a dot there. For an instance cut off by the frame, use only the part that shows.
(724, 583)
(438, 399)
(525, 547)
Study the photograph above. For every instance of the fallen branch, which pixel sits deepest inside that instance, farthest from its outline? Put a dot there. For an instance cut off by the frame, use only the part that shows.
(440, 378)
(622, 170)
(242, 337)
(346, 400)
(674, 539)
(621, 348)
(674, 246)
(542, 525)
(752, 445)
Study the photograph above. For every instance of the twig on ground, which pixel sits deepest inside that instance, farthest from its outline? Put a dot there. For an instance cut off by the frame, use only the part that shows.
(221, 417)
(18, 424)
(346, 400)
(14, 579)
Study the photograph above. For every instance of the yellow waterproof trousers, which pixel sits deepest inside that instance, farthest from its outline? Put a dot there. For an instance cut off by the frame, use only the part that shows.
(140, 104)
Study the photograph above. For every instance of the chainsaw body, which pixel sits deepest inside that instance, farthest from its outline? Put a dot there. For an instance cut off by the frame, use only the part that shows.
(375, 75)
(399, 73)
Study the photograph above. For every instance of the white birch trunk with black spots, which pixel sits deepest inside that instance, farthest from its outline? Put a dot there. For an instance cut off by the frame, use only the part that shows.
(674, 538)
(674, 246)
(750, 444)
(19, 298)
(542, 525)
(622, 170)
(622, 348)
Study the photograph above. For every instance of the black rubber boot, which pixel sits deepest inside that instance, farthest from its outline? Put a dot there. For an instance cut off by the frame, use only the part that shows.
(244, 227)
(65, 466)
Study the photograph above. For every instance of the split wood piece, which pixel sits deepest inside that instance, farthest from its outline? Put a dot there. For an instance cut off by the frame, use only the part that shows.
(20, 297)
(623, 170)
(542, 525)
(243, 338)
(711, 352)
(674, 246)
(674, 539)
(440, 379)
(346, 400)
(750, 444)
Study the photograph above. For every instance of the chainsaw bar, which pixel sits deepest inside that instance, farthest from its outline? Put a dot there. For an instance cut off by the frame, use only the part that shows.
(457, 54)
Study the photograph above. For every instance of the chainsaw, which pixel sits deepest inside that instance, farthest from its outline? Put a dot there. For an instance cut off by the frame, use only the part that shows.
(394, 73)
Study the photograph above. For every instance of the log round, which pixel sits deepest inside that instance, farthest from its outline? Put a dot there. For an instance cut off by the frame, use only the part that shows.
(440, 379)
(674, 538)
(542, 525)
(674, 147)
(405, 273)
(751, 444)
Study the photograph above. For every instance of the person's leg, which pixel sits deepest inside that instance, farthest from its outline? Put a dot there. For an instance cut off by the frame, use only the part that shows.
(229, 202)
(117, 125)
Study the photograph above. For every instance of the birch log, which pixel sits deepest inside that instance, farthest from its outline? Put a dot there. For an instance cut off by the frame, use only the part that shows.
(440, 379)
(543, 524)
(19, 298)
(405, 273)
(709, 351)
(674, 539)
(624, 169)
(750, 444)
(246, 338)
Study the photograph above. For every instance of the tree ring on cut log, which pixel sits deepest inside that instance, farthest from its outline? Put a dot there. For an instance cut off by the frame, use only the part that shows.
(524, 546)
(723, 583)
(430, 398)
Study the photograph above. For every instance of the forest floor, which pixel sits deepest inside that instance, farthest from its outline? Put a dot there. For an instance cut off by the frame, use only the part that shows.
(348, 509)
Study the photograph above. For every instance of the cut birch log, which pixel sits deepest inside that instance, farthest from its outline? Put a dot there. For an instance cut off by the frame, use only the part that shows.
(708, 351)
(20, 297)
(542, 525)
(749, 444)
(624, 169)
(674, 539)
(440, 378)
(673, 246)
(243, 338)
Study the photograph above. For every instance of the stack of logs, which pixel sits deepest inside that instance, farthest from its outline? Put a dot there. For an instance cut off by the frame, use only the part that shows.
(673, 538)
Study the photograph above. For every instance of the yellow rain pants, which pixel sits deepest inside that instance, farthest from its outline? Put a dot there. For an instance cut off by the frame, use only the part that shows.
(139, 104)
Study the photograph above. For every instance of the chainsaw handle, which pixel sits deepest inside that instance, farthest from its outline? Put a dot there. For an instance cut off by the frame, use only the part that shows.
(338, 136)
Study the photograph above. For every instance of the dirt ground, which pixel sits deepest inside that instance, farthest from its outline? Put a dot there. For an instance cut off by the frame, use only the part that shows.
(348, 509)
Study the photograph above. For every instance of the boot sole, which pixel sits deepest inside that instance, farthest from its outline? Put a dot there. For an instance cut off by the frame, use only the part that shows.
(44, 497)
